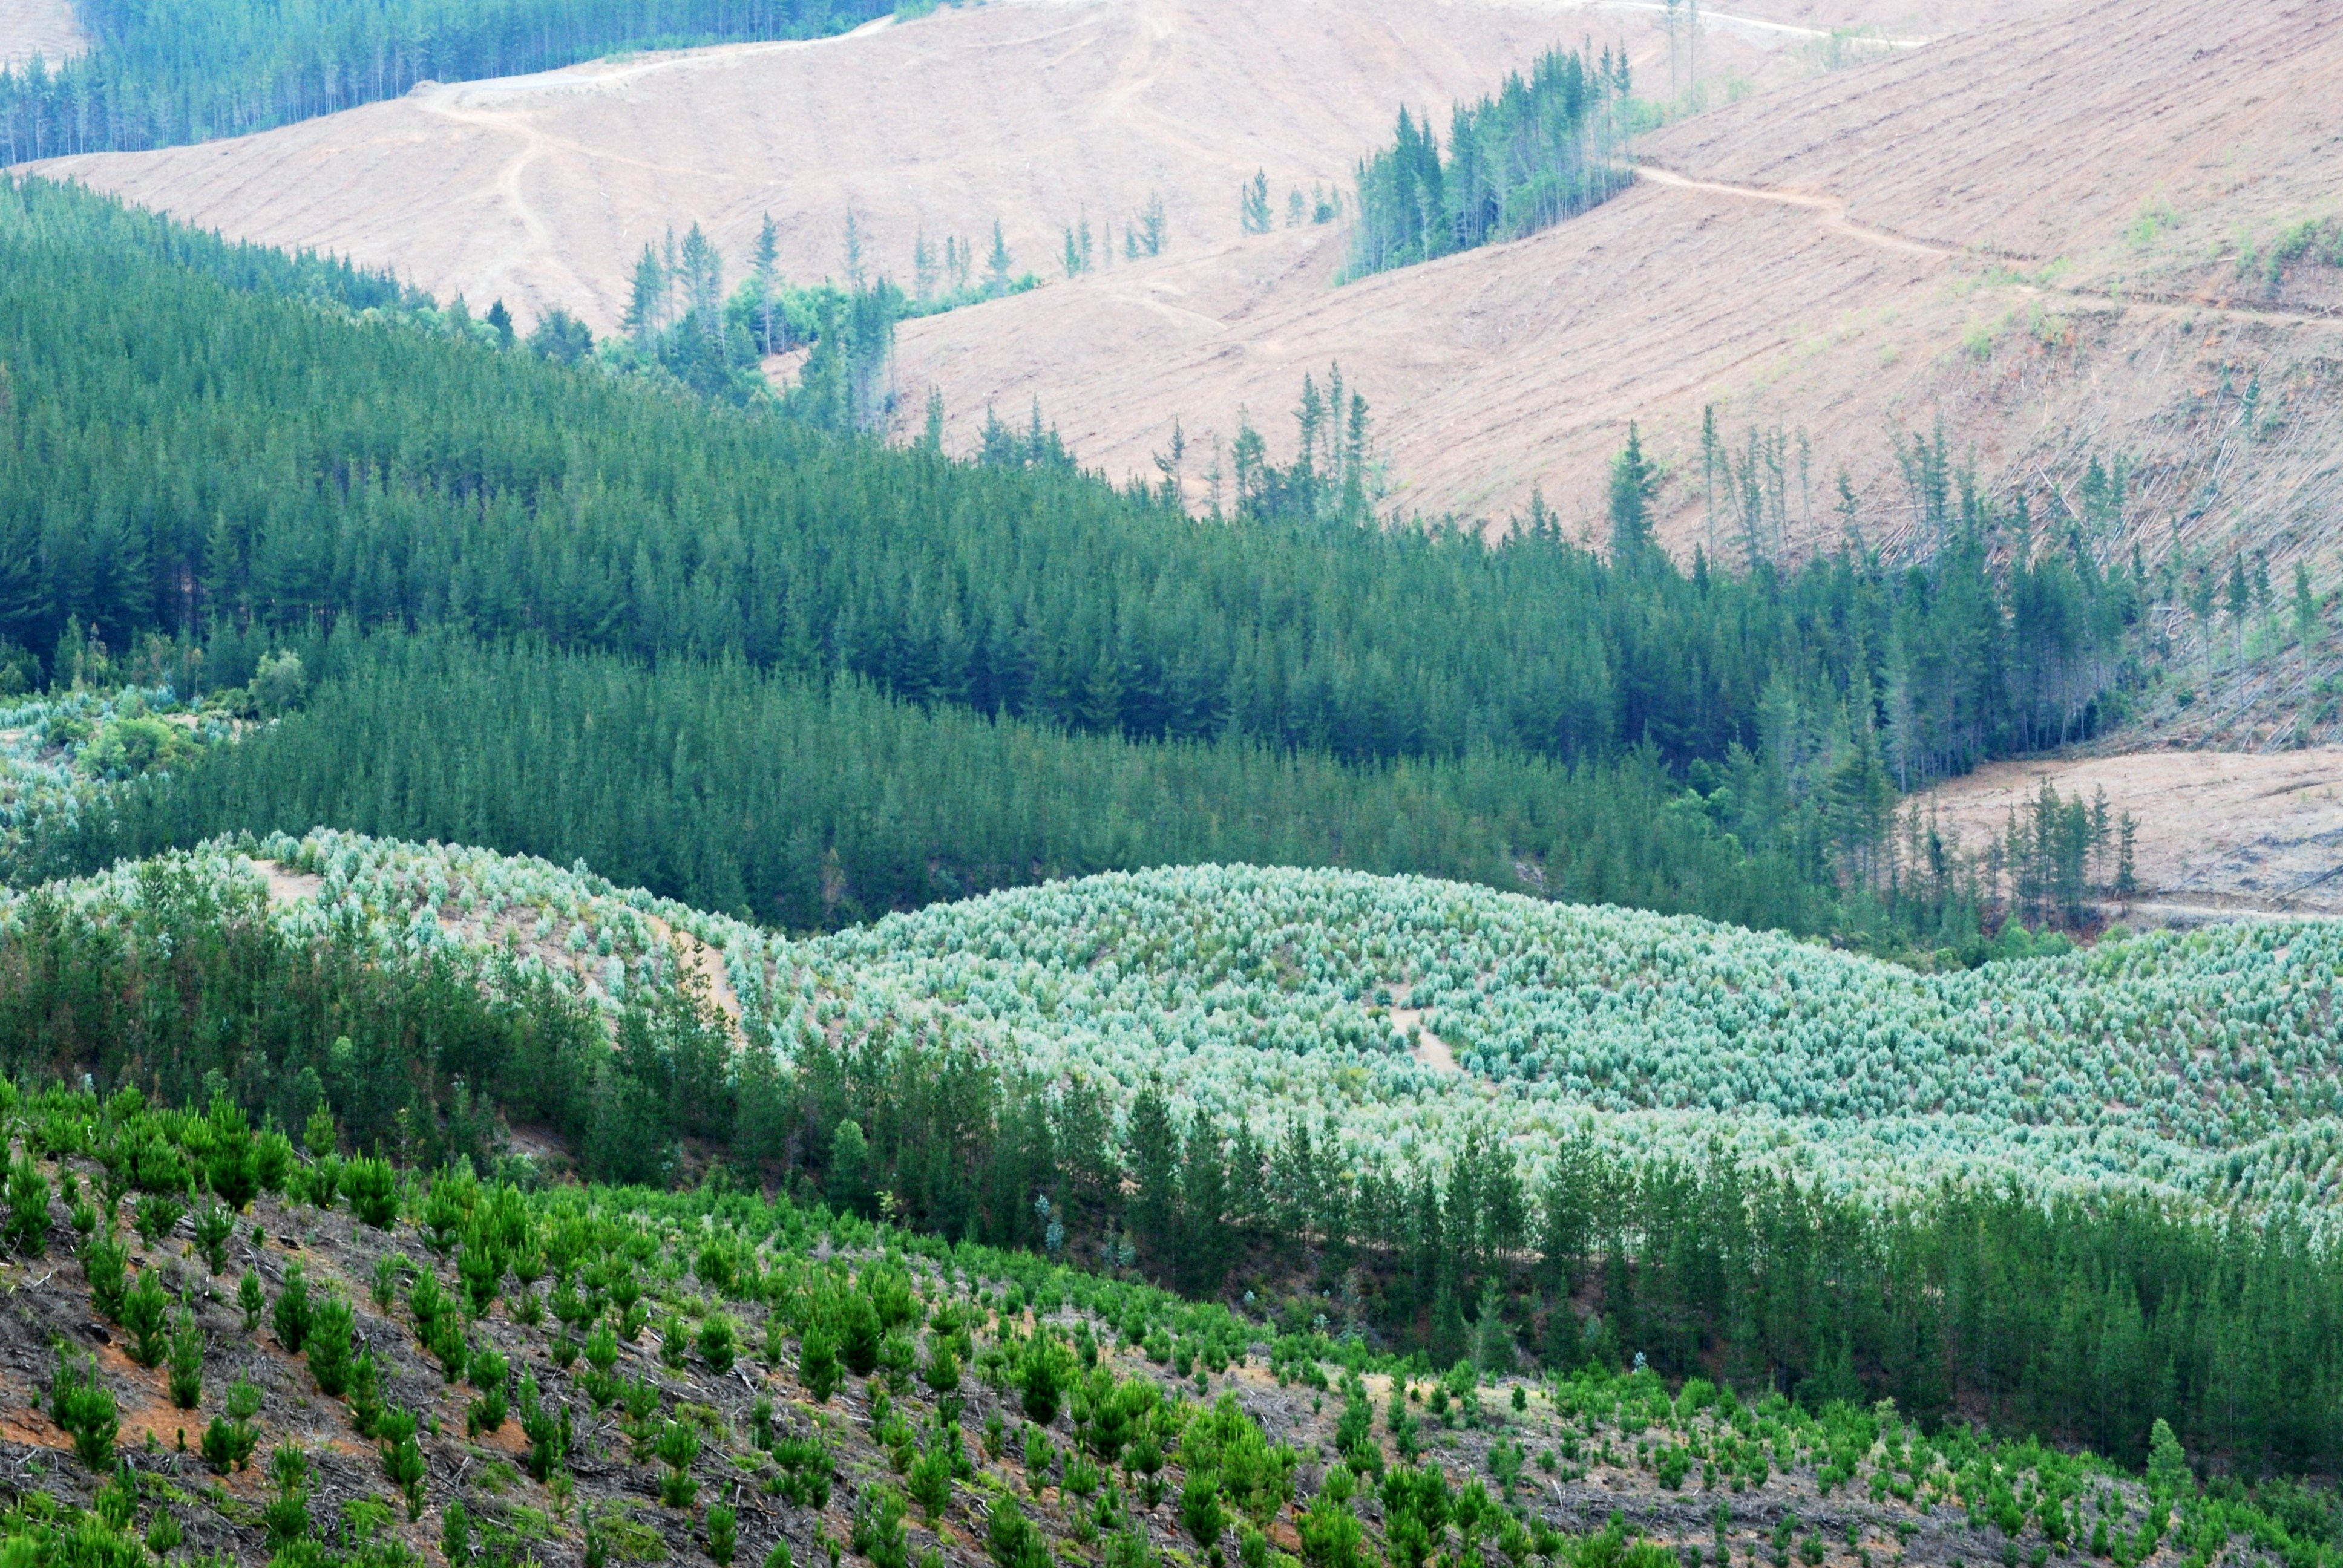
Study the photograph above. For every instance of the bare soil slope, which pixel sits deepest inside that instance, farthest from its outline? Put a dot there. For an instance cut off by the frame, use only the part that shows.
(2053, 272)
(543, 189)
(1490, 374)
(2221, 831)
(43, 29)
(2009, 141)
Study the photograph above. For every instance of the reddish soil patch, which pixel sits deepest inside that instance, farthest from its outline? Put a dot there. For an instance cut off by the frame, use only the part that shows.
(285, 886)
(2220, 831)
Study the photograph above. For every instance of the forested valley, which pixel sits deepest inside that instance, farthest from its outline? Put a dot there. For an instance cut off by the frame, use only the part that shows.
(284, 546)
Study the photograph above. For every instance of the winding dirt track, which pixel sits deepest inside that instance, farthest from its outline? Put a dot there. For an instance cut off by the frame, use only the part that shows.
(2026, 230)
(1038, 114)
(1515, 367)
(1834, 219)
(1833, 208)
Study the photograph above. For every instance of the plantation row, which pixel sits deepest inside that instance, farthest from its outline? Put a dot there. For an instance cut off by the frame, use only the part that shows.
(715, 1375)
(1098, 1067)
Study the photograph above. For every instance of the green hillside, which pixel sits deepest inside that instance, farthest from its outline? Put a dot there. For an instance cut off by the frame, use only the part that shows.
(313, 451)
(382, 1374)
(1202, 1070)
(1124, 1034)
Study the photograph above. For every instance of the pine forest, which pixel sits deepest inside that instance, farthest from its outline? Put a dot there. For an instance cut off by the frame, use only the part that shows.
(620, 944)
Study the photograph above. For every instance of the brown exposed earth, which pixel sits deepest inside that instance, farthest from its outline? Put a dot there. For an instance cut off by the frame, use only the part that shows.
(1490, 373)
(38, 29)
(1809, 260)
(544, 189)
(2221, 832)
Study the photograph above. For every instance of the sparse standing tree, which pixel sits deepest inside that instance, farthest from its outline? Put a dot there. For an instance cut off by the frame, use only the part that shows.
(924, 268)
(996, 267)
(1712, 453)
(703, 283)
(643, 298)
(1253, 203)
(1169, 462)
(1692, 50)
(1633, 481)
(761, 261)
(1669, 9)
(931, 438)
(2241, 600)
(1805, 482)
(1848, 527)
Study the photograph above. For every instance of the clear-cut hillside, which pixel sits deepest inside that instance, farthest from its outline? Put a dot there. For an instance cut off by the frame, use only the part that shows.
(2053, 272)
(543, 189)
(43, 29)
